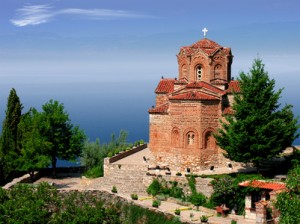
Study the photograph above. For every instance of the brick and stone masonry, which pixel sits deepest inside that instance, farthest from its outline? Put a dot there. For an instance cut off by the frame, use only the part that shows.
(188, 108)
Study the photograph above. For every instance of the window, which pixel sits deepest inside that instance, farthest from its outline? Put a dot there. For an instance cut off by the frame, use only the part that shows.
(198, 72)
(190, 138)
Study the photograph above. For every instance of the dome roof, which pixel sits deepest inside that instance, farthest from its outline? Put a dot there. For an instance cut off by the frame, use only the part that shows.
(208, 46)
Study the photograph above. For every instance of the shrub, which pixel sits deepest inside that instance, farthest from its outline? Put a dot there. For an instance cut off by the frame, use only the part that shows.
(94, 172)
(177, 211)
(204, 218)
(233, 222)
(197, 199)
(154, 188)
(156, 203)
(134, 197)
(114, 189)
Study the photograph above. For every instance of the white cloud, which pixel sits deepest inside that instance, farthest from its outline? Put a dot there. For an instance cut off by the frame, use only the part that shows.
(38, 14)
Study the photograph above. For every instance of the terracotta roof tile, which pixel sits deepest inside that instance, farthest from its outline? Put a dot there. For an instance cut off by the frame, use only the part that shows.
(234, 86)
(206, 85)
(206, 45)
(165, 86)
(194, 95)
(264, 185)
(160, 109)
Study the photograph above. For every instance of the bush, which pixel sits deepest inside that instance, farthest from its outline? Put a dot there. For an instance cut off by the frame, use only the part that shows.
(204, 218)
(156, 203)
(94, 172)
(197, 199)
(177, 211)
(233, 222)
(134, 197)
(154, 188)
(114, 189)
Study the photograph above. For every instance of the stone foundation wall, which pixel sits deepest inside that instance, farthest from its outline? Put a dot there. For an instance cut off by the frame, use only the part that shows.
(202, 184)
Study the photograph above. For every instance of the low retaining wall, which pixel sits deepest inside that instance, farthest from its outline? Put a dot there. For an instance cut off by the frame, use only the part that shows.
(113, 199)
(124, 154)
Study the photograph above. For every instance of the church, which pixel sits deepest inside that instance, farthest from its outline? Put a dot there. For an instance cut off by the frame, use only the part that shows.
(188, 108)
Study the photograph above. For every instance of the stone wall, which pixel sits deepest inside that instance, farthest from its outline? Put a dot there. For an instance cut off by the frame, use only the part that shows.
(109, 199)
(202, 184)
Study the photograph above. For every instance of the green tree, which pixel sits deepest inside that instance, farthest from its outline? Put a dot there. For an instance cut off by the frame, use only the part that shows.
(65, 140)
(32, 144)
(8, 145)
(288, 202)
(259, 128)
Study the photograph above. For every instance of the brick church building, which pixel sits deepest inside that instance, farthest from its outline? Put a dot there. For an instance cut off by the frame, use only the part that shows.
(188, 108)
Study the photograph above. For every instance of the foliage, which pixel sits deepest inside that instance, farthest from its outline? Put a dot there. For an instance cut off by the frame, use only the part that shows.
(94, 172)
(136, 214)
(204, 218)
(156, 203)
(228, 192)
(65, 140)
(197, 198)
(9, 139)
(154, 188)
(33, 146)
(23, 201)
(258, 130)
(288, 202)
(93, 153)
(233, 222)
(134, 196)
(78, 208)
(114, 189)
(177, 211)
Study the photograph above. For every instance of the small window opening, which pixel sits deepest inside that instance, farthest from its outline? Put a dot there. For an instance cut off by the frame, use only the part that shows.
(199, 72)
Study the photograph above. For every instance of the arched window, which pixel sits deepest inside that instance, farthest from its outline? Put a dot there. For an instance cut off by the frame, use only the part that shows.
(175, 138)
(190, 138)
(199, 72)
(217, 71)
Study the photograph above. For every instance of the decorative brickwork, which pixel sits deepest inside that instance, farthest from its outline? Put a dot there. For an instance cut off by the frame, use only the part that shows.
(188, 109)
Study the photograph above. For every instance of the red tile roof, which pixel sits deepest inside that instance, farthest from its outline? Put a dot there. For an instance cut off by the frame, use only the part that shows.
(263, 184)
(234, 86)
(194, 95)
(206, 45)
(228, 111)
(165, 86)
(160, 109)
(206, 85)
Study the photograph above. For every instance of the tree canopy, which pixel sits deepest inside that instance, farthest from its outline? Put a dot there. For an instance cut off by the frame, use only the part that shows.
(259, 128)
(33, 145)
(9, 139)
(65, 140)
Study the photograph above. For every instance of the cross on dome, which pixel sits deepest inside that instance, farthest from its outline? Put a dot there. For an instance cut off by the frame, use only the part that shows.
(205, 31)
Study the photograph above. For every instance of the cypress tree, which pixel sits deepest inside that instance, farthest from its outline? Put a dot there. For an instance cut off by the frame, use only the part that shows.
(9, 139)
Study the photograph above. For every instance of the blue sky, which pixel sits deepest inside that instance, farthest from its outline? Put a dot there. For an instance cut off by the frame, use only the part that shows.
(103, 59)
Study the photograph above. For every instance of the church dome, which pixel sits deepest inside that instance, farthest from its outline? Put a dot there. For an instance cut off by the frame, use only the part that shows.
(206, 45)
